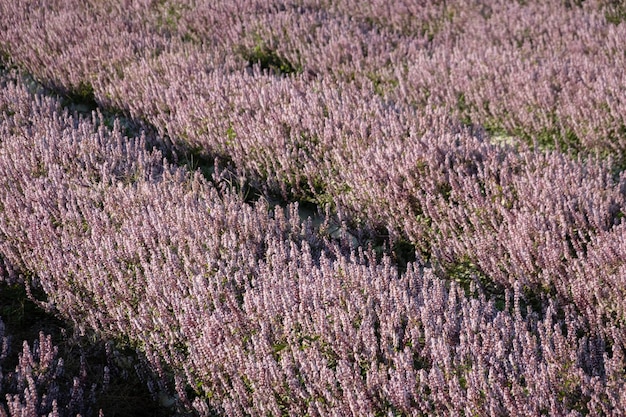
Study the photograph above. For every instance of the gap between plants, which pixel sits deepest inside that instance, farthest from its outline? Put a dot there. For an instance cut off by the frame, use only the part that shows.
(81, 102)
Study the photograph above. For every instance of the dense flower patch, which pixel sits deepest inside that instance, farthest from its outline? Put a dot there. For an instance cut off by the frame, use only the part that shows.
(467, 161)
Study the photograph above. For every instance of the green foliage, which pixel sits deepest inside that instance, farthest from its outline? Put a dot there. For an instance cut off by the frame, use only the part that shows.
(571, 392)
(535, 297)
(382, 85)
(464, 108)
(5, 60)
(269, 60)
(80, 98)
(618, 156)
(195, 159)
(471, 278)
(549, 137)
(231, 134)
(432, 27)
(615, 11)
(552, 138)
(277, 348)
(403, 252)
(570, 4)
(168, 16)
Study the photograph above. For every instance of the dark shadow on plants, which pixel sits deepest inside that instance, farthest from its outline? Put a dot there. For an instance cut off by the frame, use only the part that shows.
(4, 61)
(379, 242)
(107, 372)
(23, 318)
(267, 59)
(473, 280)
(403, 252)
(570, 4)
(127, 393)
(615, 11)
(80, 98)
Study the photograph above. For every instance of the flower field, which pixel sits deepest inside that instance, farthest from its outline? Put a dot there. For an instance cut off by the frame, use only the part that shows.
(313, 208)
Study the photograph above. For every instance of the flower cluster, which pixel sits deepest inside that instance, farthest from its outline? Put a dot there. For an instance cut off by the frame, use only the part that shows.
(488, 138)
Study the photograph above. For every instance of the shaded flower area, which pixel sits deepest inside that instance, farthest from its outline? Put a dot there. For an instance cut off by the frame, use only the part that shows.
(312, 208)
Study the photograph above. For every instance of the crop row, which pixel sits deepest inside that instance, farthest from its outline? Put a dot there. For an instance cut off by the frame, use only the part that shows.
(253, 311)
(488, 138)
